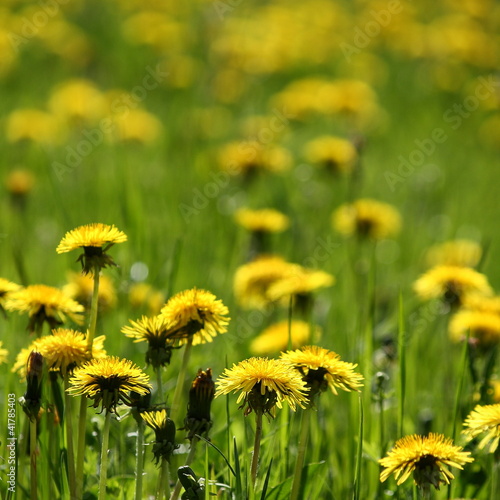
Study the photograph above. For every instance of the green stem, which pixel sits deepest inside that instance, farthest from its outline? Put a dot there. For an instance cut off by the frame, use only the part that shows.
(104, 457)
(33, 443)
(163, 483)
(256, 447)
(494, 477)
(93, 310)
(82, 419)
(180, 379)
(68, 417)
(299, 464)
(139, 463)
(189, 459)
(160, 384)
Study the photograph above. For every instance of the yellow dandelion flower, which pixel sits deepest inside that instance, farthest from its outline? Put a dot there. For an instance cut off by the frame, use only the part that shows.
(275, 337)
(484, 420)
(164, 428)
(451, 283)
(321, 368)
(44, 303)
(252, 281)
(137, 125)
(367, 218)
(195, 314)
(249, 157)
(265, 220)
(6, 288)
(155, 331)
(34, 125)
(463, 253)
(95, 239)
(426, 457)
(3, 353)
(108, 381)
(143, 294)
(21, 361)
(481, 303)
(299, 281)
(66, 349)
(20, 182)
(334, 153)
(484, 327)
(264, 384)
(81, 286)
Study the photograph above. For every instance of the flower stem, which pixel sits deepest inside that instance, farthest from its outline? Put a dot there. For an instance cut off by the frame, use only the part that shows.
(93, 310)
(163, 483)
(299, 464)
(68, 414)
(33, 478)
(189, 459)
(256, 447)
(139, 463)
(160, 385)
(180, 379)
(104, 457)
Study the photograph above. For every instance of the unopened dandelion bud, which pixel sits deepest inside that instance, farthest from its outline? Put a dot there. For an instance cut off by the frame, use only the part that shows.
(31, 401)
(164, 444)
(201, 395)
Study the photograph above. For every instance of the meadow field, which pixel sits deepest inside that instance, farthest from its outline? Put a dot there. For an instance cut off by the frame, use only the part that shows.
(193, 193)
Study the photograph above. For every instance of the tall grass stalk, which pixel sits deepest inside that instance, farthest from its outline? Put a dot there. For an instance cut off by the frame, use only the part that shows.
(68, 421)
(301, 453)
(402, 366)
(179, 388)
(139, 459)
(33, 454)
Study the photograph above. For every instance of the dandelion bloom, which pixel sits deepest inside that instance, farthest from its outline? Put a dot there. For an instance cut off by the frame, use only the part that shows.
(451, 283)
(164, 428)
(195, 314)
(44, 303)
(426, 457)
(483, 326)
(6, 287)
(108, 381)
(264, 384)
(155, 331)
(484, 420)
(3, 353)
(66, 349)
(81, 286)
(367, 218)
(266, 220)
(252, 281)
(481, 303)
(299, 281)
(321, 368)
(275, 337)
(463, 253)
(20, 182)
(95, 239)
(334, 153)
(143, 294)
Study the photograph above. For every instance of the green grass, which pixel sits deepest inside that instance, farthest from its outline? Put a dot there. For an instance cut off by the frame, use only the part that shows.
(142, 189)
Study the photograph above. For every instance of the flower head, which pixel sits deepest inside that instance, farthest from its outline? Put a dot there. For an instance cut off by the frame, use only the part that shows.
(156, 332)
(275, 337)
(143, 294)
(66, 349)
(264, 384)
(336, 154)
(265, 220)
(463, 253)
(164, 429)
(367, 218)
(108, 382)
(451, 283)
(252, 281)
(426, 457)
(44, 303)
(195, 314)
(483, 326)
(95, 239)
(321, 368)
(6, 288)
(484, 420)
(201, 394)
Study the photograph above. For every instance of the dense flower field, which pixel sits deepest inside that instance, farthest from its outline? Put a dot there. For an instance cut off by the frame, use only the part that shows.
(248, 249)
